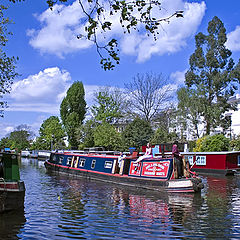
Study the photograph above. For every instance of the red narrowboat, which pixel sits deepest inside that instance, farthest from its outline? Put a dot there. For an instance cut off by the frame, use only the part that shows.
(214, 162)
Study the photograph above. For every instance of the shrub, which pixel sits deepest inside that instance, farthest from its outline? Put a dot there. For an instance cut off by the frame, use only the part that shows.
(235, 144)
(215, 143)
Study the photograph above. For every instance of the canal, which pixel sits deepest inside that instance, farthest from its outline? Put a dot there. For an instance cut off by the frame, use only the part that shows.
(60, 207)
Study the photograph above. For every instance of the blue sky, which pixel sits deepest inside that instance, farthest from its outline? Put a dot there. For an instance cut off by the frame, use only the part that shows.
(51, 58)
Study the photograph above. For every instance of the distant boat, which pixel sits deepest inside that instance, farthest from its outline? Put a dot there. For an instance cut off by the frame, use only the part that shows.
(154, 173)
(225, 163)
(43, 155)
(12, 189)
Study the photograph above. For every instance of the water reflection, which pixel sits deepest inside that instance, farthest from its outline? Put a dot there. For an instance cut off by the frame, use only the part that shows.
(62, 207)
(11, 224)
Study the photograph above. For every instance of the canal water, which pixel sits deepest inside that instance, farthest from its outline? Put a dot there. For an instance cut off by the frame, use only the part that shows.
(61, 207)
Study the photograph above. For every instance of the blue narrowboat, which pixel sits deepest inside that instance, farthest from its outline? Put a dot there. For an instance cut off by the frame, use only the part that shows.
(153, 173)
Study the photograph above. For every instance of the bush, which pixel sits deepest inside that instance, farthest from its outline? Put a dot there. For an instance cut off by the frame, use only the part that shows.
(215, 143)
(235, 144)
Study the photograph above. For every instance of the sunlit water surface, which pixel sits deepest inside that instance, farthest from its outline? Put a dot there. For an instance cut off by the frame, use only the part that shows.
(61, 207)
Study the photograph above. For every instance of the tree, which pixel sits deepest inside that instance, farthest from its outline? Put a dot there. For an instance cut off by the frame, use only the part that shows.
(85, 134)
(148, 95)
(106, 136)
(51, 134)
(215, 143)
(7, 64)
(162, 135)
(190, 108)
(137, 133)
(110, 104)
(18, 139)
(136, 15)
(72, 111)
(212, 74)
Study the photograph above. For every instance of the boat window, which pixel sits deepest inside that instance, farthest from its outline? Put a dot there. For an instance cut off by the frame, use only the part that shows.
(54, 159)
(82, 162)
(93, 163)
(60, 160)
(108, 164)
(69, 160)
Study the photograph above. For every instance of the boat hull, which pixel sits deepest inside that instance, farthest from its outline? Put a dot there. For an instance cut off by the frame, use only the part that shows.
(12, 195)
(177, 185)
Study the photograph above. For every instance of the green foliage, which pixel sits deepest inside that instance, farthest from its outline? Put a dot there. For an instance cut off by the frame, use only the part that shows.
(51, 135)
(235, 143)
(19, 139)
(212, 77)
(137, 133)
(215, 143)
(199, 143)
(191, 145)
(7, 64)
(85, 134)
(6, 142)
(161, 135)
(106, 136)
(73, 110)
(109, 105)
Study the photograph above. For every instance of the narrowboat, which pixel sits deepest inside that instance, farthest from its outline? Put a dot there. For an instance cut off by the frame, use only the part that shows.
(153, 173)
(12, 189)
(224, 163)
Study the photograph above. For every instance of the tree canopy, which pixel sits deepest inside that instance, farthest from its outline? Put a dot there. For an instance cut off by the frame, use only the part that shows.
(18, 139)
(51, 135)
(110, 105)
(212, 77)
(137, 133)
(73, 110)
(106, 136)
(7, 64)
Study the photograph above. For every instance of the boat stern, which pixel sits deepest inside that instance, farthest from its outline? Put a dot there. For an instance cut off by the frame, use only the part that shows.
(185, 185)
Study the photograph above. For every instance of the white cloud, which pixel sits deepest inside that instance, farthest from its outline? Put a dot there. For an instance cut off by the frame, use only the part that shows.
(178, 77)
(44, 91)
(41, 92)
(60, 27)
(233, 40)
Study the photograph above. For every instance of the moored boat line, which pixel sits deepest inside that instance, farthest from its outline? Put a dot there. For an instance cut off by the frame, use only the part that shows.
(154, 173)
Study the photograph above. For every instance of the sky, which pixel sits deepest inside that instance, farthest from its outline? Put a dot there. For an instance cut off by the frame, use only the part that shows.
(51, 57)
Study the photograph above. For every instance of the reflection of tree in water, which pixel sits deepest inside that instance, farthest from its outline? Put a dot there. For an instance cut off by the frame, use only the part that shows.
(219, 206)
(11, 224)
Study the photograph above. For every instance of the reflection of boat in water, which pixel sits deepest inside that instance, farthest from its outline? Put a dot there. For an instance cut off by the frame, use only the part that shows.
(11, 224)
(154, 173)
(12, 189)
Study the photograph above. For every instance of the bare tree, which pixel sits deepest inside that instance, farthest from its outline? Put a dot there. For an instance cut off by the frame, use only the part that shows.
(148, 95)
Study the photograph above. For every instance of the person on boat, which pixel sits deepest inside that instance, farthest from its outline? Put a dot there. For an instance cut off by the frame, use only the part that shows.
(147, 154)
(120, 159)
(177, 159)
